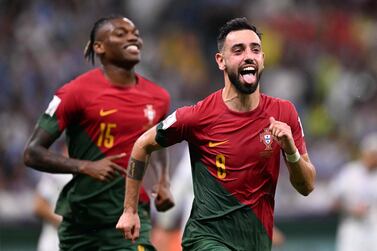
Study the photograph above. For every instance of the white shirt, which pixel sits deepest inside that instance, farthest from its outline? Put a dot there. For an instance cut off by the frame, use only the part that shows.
(356, 185)
(49, 188)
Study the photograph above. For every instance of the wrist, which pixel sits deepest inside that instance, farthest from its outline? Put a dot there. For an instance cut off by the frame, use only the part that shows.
(80, 167)
(130, 210)
(164, 181)
(293, 158)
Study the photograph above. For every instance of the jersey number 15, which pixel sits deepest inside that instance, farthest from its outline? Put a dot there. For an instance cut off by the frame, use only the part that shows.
(105, 137)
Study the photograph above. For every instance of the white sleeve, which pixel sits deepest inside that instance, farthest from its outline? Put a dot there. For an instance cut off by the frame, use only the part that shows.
(50, 185)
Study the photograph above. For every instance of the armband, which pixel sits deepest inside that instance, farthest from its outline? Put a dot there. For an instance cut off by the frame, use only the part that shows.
(136, 169)
(293, 158)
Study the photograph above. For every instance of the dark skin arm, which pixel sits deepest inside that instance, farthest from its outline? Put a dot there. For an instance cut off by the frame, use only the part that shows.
(38, 156)
(164, 199)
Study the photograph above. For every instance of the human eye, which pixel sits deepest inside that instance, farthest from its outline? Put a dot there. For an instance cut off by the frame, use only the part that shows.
(237, 50)
(119, 33)
(256, 49)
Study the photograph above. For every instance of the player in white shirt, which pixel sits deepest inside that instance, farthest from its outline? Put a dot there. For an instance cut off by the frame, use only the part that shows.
(46, 195)
(355, 194)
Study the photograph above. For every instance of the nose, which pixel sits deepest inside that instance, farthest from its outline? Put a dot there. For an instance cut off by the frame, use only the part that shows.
(249, 57)
(132, 37)
(249, 61)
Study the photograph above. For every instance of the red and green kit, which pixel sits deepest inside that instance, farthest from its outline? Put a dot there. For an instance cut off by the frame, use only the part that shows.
(99, 120)
(235, 165)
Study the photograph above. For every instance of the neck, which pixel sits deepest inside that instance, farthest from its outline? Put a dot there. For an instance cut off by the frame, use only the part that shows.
(119, 76)
(239, 102)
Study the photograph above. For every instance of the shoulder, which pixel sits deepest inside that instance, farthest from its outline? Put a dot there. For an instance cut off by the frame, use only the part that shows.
(277, 102)
(281, 109)
(352, 168)
(153, 87)
(349, 171)
(210, 104)
(82, 81)
(203, 110)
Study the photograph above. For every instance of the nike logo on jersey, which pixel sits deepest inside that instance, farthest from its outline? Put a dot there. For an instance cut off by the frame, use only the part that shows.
(214, 144)
(104, 113)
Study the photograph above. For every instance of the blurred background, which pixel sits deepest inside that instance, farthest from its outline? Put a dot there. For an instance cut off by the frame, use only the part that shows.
(321, 55)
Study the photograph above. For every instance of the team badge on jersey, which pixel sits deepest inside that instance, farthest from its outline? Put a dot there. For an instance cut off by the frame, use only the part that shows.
(150, 114)
(267, 139)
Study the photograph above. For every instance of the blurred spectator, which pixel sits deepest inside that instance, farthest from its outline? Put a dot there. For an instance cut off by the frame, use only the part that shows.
(46, 195)
(169, 226)
(355, 193)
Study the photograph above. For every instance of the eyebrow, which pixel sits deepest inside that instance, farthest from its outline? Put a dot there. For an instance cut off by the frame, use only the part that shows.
(242, 45)
(124, 29)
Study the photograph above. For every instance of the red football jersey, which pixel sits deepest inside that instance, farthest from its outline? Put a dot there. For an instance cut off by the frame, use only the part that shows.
(100, 120)
(237, 150)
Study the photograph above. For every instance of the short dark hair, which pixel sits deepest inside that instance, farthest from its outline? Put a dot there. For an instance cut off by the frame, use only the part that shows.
(236, 24)
(89, 53)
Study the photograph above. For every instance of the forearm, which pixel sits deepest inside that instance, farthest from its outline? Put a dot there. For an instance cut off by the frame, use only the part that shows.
(131, 200)
(40, 158)
(137, 165)
(302, 175)
(43, 210)
(164, 164)
(135, 174)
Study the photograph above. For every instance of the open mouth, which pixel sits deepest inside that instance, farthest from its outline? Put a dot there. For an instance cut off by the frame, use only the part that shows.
(248, 74)
(132, 48)
(250, 70)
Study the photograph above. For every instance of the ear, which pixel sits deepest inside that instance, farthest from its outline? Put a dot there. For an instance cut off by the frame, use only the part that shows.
(263, 57)
(98, 47)
(220, 61)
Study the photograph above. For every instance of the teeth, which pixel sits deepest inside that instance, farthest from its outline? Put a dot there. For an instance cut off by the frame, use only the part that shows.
(134, 47)
(250, 68)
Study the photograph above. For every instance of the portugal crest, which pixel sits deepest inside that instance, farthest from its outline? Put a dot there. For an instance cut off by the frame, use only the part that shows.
(267, 139)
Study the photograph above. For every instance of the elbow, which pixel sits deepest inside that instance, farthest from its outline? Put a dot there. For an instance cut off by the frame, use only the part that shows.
(303, 187)
(306, 190)
(143, 144)
(30, 156)
(27, 157)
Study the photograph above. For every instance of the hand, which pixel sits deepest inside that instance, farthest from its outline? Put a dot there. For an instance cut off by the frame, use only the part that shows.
(164, 199)
(359, 211)
(104, 169)
(283, 134)
(129, 224)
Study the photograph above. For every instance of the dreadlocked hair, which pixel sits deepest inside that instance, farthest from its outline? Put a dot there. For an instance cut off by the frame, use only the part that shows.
(89, 53)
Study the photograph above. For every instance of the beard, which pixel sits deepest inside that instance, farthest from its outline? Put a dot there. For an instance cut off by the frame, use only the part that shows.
(234, 78)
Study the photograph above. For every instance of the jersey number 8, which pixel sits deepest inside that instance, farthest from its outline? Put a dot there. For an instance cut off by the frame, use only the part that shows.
(220, 163)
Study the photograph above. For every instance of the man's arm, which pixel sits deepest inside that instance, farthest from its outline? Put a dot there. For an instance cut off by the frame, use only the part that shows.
(129, 222)
(301, 171)
(164, 198)
(302, 174)
(45, 211)
(37, 156)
